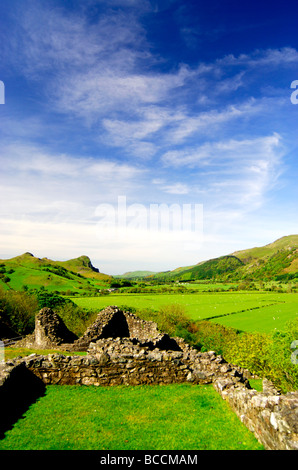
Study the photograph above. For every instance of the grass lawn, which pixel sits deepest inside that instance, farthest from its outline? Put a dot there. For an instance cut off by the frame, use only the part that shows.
(168, 417)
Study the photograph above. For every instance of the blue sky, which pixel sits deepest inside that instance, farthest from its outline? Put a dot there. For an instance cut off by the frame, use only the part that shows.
(158, 102)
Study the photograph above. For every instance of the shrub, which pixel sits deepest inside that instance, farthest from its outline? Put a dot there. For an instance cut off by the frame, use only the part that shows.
(251, 351)
(49, 299)
(267, 355)
(172, 319)
(283, 371)
(262, 354)
(18, 309)
(75, 318)
(214, 337)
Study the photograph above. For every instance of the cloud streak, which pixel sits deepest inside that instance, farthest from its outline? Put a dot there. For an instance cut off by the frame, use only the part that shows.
(39, 185)
(233, 172)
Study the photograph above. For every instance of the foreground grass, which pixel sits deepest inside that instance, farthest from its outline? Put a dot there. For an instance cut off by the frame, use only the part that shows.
(169, 417)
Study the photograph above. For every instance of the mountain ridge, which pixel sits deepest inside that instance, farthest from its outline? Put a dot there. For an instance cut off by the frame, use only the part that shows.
(277, 260)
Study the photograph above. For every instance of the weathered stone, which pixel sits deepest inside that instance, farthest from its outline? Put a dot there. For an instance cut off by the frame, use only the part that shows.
(50, 332)
(272, 418)
(225, 368)
(111, 322)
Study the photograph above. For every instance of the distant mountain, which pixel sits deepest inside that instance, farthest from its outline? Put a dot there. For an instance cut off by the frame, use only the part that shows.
(27, 270)
(277, 260)
(216, 268)
(134, 274)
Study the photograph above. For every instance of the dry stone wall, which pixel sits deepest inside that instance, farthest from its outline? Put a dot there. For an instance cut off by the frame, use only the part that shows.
(272, 417)
(126, 361)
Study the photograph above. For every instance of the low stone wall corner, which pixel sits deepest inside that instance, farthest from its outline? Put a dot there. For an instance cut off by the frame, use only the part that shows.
(272, 417)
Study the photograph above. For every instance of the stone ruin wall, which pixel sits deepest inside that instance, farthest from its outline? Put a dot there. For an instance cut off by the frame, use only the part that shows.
(144, 355)
(272, 417)
(51, 332)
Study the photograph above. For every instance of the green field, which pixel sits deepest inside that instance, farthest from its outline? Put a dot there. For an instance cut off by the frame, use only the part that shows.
(168, 417)
(248, 311)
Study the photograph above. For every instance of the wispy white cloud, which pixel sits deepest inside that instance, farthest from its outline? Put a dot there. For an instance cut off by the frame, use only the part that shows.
(269, 57)
(47, 187)
(115, 86)
(51, 39)
(99, 76)
(35, 160)
(176, 188)
(233, 172)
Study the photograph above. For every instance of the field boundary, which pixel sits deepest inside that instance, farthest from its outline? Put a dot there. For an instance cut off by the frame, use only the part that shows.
(244, 310)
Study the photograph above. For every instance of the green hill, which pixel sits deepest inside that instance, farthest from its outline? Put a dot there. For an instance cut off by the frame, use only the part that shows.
(282, 244)
(275, 261)
(28, 271)
(212, 269)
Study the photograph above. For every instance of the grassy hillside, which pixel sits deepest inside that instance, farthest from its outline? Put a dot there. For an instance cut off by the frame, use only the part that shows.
(275, 261)
(217, 268)
(284, 243)
(212, 269)
(76, 275)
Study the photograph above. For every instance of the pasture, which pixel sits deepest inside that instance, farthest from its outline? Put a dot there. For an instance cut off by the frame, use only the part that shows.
(253, 311)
